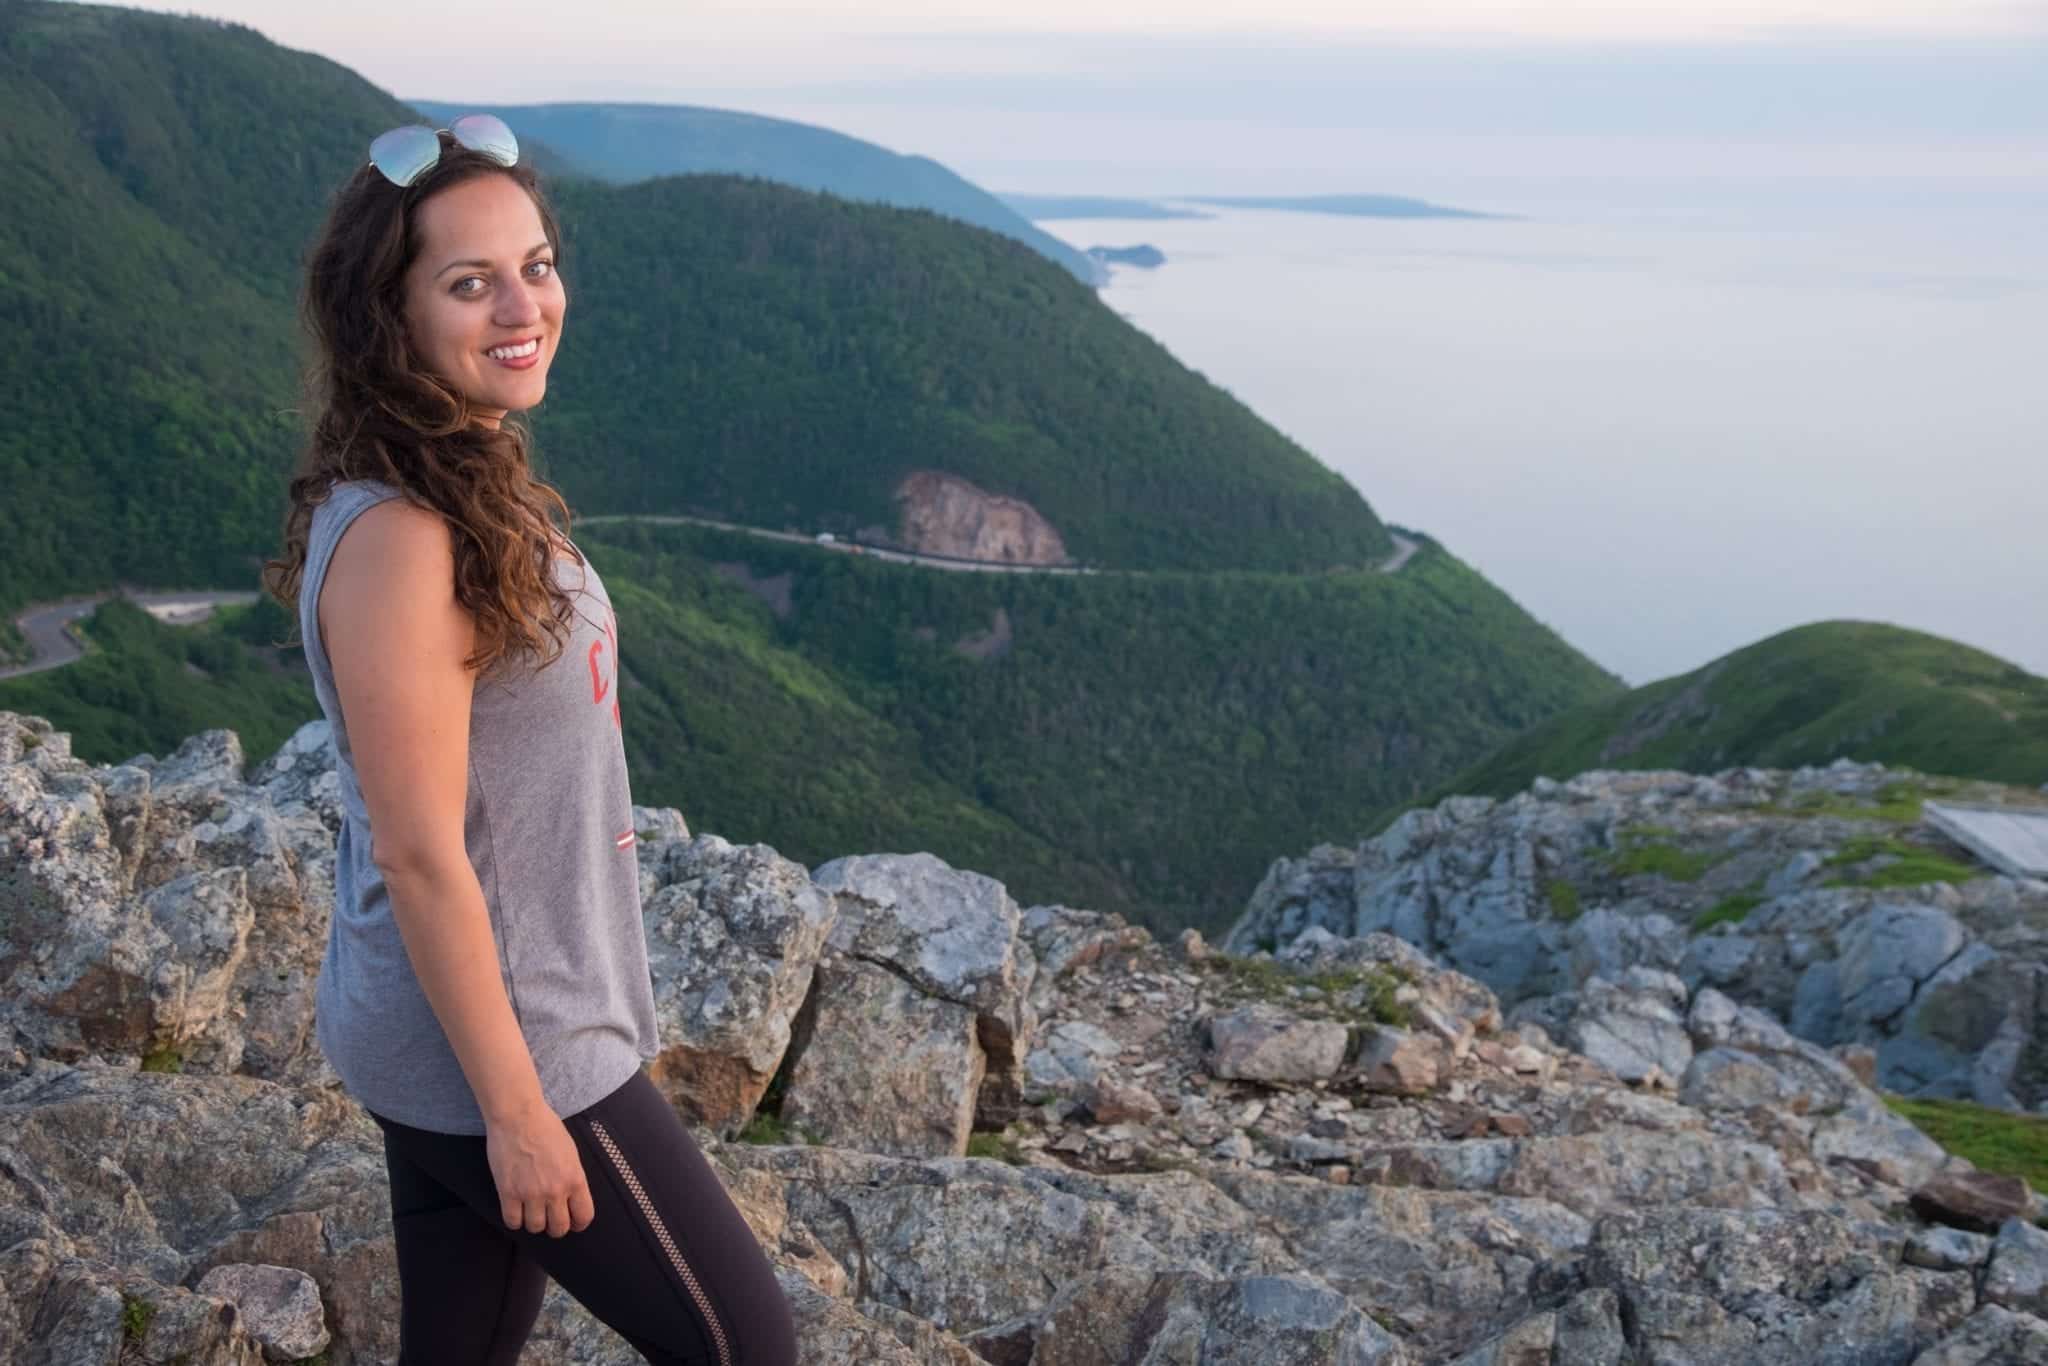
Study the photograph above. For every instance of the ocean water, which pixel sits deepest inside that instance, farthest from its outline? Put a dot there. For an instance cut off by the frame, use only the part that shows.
(1667, 427)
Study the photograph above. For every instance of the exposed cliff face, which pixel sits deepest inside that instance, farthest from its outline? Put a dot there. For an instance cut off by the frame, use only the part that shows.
(1342, 1154)
(943, 514)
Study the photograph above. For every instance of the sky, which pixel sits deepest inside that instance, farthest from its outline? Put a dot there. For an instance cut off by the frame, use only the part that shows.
(1164, 96)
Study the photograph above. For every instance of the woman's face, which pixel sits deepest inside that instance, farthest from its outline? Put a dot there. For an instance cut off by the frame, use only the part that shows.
(485, 279)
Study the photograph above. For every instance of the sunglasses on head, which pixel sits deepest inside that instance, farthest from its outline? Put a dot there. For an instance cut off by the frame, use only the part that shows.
(404, 153)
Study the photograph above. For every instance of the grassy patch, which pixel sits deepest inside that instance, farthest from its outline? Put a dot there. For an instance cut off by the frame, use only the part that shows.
(1996, 1140)
(1898, 801)
(1003, 1147)
(1381, 1004)
(165, 1059)
(767, 1125)
(1729, 910)
(1914, 866)
(763, 1128)
(135, 1317)
(1563, 899)
(1647, 849)
(1375, 988)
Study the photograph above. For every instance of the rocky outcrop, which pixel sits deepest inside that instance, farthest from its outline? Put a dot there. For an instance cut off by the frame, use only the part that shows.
(1818, 894)
(942, 514)
(965, 1131)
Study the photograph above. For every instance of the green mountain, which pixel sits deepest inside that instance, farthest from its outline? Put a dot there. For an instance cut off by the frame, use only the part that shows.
(627, 142)
(1833, 689)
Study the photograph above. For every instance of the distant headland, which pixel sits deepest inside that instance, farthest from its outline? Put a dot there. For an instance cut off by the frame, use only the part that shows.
(1039, 207)
(1144, 255)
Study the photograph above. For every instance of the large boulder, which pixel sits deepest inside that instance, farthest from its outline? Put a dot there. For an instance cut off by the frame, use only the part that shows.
(733, 939)
(920, 1015)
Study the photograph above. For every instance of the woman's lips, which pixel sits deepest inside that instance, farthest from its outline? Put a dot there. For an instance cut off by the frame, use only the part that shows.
(526, 362)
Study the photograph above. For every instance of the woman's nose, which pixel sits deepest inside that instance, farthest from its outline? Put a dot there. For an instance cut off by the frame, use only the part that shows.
(516, 309)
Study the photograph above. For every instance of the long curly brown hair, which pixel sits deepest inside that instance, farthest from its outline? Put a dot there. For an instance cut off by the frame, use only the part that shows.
(380, 414)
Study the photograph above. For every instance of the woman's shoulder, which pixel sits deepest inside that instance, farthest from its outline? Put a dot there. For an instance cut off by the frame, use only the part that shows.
(345, 498)
(363, 488)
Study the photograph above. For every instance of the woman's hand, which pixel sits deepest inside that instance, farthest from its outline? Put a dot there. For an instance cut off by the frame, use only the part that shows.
(539, 1173)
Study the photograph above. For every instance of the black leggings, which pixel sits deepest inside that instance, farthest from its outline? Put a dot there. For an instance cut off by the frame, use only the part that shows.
(667, 1262)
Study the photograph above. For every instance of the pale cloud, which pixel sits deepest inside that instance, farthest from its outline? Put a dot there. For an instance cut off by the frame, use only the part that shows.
(1063, 95)
(1570, 20)
(398, 28)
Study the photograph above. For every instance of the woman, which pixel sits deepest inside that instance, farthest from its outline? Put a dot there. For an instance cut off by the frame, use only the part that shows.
(485, 989)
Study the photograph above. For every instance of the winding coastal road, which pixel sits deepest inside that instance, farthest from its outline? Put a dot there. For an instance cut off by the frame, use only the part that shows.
(1404, 547)
(47, 625)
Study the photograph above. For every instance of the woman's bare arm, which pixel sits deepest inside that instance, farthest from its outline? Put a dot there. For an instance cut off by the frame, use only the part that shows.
(396, 638)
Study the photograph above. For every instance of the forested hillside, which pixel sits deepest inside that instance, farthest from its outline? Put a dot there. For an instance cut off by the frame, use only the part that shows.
(739, 348)
(1863, 690)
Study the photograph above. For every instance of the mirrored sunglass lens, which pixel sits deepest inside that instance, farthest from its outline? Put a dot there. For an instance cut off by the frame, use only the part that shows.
(488, 134)
(403, 153)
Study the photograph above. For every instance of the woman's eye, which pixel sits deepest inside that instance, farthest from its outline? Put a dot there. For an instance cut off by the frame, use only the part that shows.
(458, 290)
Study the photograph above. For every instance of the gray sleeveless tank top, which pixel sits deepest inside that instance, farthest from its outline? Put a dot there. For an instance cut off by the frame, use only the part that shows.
(548, 825)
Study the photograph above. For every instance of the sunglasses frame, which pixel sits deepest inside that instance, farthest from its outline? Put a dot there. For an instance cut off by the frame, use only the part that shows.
(469, 130)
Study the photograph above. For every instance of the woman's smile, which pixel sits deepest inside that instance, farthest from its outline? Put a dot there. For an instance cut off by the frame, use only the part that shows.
(517, 355)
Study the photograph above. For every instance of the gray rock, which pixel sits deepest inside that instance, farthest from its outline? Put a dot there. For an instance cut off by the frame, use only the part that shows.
(2018, 1275)
(953, 931)
(1068, 1060)
(1633, 1034)
(1948, 1249)
(1993, 1336)
(1969, 1199)
(1607, 943)
(1258, 1042)
(1959, 1011)
(1126, 1315)
(1887, 952)
(952, 935)
(1391, 1059)
(1794, 873)
(1589, 1331)
(1722, 959)
(1817, 1004)
(278, 1305)
(733, 939)
(1730, 1079)
(1869, 1136)
(883, 1066)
